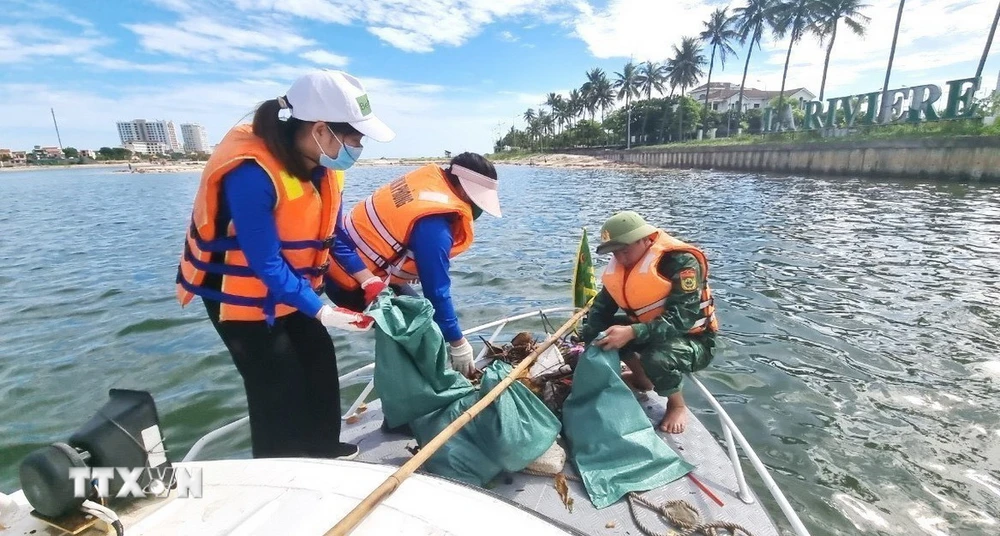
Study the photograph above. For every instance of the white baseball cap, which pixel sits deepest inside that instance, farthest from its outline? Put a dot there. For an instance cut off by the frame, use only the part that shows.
(336, 97)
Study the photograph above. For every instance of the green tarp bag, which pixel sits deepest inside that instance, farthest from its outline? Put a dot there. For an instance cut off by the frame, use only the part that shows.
(610, 438)
(413, 375)
(415, 382)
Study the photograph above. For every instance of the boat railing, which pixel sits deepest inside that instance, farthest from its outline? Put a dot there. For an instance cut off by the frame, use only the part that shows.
(731, 433)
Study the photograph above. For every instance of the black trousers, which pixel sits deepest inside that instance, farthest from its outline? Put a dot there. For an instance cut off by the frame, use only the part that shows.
(289, 372)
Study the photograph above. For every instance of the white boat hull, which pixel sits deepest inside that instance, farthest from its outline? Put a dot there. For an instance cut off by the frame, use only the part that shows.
(306, 496)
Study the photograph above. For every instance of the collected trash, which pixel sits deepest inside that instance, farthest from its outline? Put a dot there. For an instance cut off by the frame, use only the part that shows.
(563, 489)
(551, 376)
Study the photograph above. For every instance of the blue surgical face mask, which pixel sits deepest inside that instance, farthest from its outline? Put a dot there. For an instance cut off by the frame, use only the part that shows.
(346, 155)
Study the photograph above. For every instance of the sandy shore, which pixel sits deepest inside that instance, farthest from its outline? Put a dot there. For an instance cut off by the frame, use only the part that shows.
(567, 161)
(120, 167)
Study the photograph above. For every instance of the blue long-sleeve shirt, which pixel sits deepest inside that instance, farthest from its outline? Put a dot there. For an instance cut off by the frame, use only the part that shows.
(250, 199)
(430, 243)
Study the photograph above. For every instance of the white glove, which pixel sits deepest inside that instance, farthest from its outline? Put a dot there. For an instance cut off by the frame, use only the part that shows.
(461, 358)
(345, 319)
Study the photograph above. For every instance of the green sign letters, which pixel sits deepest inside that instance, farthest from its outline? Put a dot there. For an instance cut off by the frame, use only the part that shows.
(908, 104)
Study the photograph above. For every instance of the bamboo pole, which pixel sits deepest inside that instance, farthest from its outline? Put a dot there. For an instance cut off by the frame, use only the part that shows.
(358, 514)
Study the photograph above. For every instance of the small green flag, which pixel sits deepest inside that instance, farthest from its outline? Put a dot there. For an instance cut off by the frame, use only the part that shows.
(584, 284)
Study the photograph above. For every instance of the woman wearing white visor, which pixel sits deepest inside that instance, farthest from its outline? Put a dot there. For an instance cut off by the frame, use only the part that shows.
(265, 220)
(409, 229)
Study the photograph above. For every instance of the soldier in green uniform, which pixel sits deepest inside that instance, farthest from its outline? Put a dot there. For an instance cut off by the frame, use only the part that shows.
(668, 327)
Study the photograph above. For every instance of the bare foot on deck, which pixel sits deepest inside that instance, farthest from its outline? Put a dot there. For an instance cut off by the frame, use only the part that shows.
(675, 418)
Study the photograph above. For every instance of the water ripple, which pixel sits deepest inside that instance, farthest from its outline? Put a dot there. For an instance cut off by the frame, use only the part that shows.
(859, 353)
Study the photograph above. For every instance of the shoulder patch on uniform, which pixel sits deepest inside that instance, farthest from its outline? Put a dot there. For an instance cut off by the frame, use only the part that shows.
(689, 279)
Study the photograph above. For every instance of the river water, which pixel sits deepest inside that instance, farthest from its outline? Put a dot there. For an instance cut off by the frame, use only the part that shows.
(860, 318)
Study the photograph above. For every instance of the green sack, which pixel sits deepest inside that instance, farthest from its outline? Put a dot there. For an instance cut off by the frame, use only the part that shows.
(413, 375)
(417, 386)
(610, 438)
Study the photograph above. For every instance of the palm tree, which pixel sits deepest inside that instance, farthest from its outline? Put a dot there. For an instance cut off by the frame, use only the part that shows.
(550, 101)
(719, 33)
(652, 76)
(751, 22)
(557, 109)
(574, 104)
(892, 51)
(530, 126)
(989, 43)
(604, 95)
(794, 18)
(830, 14)
(685, 66)
(534, 127)
(544, 125)
(685, 69)
(627, 84)
(590, 90)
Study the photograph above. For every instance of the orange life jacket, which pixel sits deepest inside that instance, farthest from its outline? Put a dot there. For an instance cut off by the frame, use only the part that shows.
(381, 224)
(305, 220)
(641, 291)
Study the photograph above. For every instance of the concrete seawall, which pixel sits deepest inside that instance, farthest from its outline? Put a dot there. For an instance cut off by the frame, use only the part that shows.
(973, 158)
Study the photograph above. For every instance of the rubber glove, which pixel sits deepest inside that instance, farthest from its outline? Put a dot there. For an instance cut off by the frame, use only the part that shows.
(461, 358)
(372, 286)
(345, 319)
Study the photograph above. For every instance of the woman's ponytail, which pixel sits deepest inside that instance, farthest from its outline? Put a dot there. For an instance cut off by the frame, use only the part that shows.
(279, 136)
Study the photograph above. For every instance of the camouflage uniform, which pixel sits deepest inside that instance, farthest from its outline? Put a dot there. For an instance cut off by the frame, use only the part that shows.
(663, 345)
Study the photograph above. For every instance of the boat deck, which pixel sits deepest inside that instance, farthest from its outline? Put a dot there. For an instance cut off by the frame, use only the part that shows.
(696, 445)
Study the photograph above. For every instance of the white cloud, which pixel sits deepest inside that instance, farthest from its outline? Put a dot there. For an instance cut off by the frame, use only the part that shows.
(411, 25)
(509, 37)
(207, 40)
(323, 57)
(641, 28)
(403, 40)
(34, 10)
(115, 64)
(20, 43)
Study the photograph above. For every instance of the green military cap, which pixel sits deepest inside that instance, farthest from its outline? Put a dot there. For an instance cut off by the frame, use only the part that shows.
(623, 229)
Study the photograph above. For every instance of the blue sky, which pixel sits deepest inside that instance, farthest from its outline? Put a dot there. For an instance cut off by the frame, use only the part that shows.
(445, 74)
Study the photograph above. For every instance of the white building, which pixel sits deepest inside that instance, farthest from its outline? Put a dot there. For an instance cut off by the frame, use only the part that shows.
(148, 147)
(725, 95)
(141, 130)
(195, 139)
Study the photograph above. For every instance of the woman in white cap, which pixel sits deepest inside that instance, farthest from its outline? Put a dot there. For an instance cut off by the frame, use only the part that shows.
(410, 228)
(265, 220)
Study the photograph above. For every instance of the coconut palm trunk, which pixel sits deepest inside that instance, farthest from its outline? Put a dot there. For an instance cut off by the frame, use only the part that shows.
(708, 89)
(784, 75)
(645, 119)
(743, 83)
(892, 50)
(826, 62)
(989, 43)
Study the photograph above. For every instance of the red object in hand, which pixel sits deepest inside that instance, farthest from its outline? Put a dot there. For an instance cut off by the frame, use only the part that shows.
(363, 323)
(372, 288)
